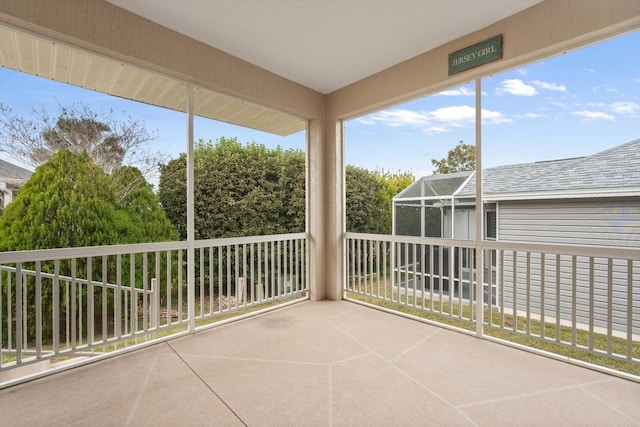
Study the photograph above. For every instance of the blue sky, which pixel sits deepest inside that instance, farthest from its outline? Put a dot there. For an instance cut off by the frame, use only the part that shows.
(571, 105)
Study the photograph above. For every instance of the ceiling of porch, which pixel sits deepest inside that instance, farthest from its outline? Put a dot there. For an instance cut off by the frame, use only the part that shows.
(325, 44)
(321, 44)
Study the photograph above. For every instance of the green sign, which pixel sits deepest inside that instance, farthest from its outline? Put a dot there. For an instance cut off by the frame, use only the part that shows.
(473, 56)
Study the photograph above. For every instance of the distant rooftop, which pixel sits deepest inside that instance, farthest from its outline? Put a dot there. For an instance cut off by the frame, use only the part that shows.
(13, 173)
(615, 168)
(611, 173)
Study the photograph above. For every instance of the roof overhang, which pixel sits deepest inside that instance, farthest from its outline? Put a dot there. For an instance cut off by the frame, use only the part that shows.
(54, 60)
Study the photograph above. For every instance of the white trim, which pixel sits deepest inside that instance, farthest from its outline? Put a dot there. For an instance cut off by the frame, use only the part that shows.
(434, 178)
(191, 248)
(565, 194)
(464, 184)
(553, 248)
(479, 214)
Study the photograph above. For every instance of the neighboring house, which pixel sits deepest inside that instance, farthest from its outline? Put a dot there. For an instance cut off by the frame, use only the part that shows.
(592, 200)
(12, 177)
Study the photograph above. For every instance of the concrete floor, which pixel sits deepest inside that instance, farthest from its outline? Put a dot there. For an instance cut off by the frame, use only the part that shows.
(325, 364)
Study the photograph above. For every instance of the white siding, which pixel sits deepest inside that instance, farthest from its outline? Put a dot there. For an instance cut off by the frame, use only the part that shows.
(573, 222)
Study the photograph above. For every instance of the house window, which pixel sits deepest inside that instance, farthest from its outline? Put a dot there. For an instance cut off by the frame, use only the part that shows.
(491, 225)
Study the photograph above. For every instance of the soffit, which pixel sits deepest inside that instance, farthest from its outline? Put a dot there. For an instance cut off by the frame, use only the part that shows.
(30, 54)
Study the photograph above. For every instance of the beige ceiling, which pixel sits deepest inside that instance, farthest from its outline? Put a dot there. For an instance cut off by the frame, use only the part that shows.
(325, 44)
(321, 44)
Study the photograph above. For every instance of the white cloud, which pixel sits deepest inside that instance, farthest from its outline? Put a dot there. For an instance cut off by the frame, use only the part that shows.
(531, 116)
(523, 71)
(366, 121)
(433, 122)
(516, 87)
(455, 115)
(434, 130)
(630, 108)
(591, 70)
(594, 115)
(396, 118)
(623, 107)
(463, 114)
(606, 88)
(463, 91)
(493, 117)
(550, 86)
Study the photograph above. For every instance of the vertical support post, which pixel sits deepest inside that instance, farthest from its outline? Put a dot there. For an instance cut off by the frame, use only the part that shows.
(191, 251)
(479, 215)
(156, 284)
(2, 341)
(90, 303)
(38, 310)
(393, 265)
(453, 217)
(19, 314)
(452, 258)
(422, 208)
(339, 184)
(154, 310)
(117, 327)
(55, 307)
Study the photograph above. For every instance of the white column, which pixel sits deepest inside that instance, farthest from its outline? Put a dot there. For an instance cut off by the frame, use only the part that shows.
(422, 208)
(191, 251)
(479, 214)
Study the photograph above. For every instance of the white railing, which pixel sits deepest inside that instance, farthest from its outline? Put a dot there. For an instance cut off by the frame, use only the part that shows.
(582, 297)
(78, 302)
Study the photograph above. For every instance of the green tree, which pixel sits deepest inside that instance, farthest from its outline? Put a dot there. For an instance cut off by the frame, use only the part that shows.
(68, 202)
(240, 190)
(141, 206)
(172, 193)
(364, 207)
(460, 158)
(391, 183)
(243, 190)
(109, 142)
(369, 198)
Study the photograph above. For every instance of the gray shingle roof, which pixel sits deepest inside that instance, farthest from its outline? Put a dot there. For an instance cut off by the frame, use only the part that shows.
(617, 167)
(9, 171)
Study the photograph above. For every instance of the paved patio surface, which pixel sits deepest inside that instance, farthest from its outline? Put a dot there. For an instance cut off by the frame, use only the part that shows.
(325, 364)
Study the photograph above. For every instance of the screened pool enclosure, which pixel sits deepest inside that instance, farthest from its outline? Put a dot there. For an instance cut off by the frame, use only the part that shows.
(442, 207)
